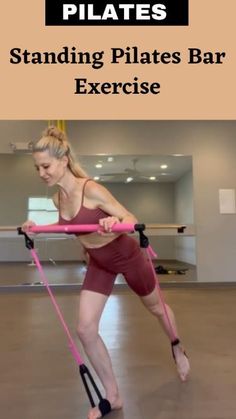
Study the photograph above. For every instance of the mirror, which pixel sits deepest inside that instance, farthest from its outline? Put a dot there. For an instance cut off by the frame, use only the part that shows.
(156, 188)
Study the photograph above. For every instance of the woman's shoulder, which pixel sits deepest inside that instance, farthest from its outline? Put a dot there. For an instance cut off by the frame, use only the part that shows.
(93, 189)
(90, 186)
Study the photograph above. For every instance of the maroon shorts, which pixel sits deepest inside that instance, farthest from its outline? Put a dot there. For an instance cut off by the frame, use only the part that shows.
(122, 255)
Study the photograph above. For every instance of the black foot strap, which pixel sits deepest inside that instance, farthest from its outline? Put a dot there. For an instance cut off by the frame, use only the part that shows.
(88, 382)
(104, 407)
(175, 343)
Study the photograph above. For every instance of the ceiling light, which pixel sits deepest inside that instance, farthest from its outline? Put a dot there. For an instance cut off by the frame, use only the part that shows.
(110, 159)
(177, 155)
(98, 166)
(96, 178)
(164, 166)
(152, 178)
(129, 179)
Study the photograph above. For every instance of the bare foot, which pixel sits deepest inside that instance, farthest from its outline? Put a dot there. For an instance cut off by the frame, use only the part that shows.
(95, 413)
(182, 362)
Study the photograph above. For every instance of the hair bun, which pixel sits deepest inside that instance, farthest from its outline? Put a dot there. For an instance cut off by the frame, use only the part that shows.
(56, 133)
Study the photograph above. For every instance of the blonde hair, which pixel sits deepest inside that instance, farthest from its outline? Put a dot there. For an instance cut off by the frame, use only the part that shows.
(56, 143)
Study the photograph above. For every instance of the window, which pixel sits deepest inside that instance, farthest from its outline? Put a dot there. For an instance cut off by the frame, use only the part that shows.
(42, 210)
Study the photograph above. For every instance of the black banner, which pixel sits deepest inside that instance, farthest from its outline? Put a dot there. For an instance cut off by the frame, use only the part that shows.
(101, 13)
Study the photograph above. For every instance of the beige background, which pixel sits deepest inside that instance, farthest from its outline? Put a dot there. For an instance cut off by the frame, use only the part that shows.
(187, 91)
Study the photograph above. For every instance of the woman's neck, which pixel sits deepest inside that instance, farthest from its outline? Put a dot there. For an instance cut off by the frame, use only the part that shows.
(68, 184)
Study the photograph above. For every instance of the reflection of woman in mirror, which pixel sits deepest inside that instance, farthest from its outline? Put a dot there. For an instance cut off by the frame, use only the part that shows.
(80, 200)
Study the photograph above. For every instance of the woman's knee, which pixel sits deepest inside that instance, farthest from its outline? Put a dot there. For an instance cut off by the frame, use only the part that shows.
(154, 306)
(153, 303)
(87, 332)
(156, 310)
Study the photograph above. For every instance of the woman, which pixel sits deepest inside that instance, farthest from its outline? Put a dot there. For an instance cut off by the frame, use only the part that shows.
(82, 201)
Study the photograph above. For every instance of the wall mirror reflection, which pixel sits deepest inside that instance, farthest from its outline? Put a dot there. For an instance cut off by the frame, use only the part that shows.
(156, 188)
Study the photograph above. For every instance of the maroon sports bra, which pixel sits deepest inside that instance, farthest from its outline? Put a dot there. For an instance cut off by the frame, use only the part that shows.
(84, 215)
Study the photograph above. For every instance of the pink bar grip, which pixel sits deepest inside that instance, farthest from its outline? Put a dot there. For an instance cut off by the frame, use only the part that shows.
(83, 228)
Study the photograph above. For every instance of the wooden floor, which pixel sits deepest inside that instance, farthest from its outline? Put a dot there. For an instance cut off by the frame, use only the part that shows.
(39, 378)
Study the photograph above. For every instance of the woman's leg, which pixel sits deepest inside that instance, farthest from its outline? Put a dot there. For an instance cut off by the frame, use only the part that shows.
(141, 277)
(90, 310)
(167, 320)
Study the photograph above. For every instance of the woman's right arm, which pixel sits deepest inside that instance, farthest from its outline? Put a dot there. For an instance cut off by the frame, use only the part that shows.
(27, 224)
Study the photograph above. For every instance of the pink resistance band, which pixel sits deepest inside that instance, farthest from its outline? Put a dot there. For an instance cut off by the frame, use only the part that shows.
(72, 344)
(87, 378)
(87, 228)
(151, 254)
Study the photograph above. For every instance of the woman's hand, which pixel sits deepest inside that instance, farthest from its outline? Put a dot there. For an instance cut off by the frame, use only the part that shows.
(107, 224)
(26, 225)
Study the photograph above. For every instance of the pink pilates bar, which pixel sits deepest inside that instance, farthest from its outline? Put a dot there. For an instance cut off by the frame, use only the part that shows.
(120, 227)
(83, 228)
